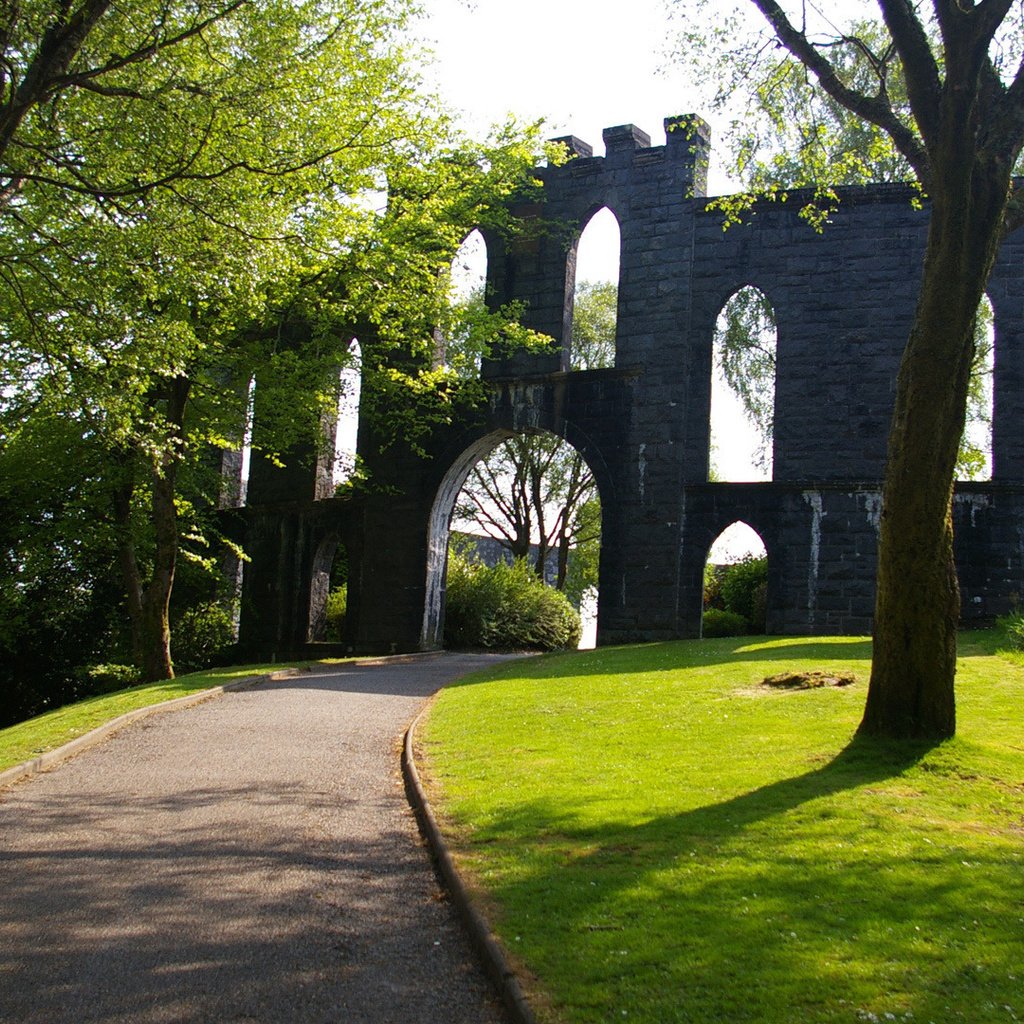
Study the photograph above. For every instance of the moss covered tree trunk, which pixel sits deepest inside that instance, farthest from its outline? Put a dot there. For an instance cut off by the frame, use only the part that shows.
(149, 599)
(917, 605)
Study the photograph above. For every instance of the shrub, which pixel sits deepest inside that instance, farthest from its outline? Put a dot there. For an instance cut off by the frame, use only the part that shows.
(506, 608)
(1013, 626)
(334, 614)
(744, 589)
(201, 636)
(107, 678)
(718, 622)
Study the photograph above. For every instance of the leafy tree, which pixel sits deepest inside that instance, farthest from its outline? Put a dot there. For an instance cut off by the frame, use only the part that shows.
(170, 174)
(791, 134)
(594, 318)
(744, 589)
(960, 129)
(188, 197)
(61, 607)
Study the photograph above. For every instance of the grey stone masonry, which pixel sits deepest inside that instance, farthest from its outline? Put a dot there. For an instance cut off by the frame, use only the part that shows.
(844, 300)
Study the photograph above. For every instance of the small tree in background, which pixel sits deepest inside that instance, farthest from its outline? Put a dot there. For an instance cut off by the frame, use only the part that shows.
(735, 597)
(594, 319)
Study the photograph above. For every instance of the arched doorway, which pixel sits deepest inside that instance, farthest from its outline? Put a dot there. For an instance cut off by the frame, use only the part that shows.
(528, 496)
(328, 592)
(735, 583)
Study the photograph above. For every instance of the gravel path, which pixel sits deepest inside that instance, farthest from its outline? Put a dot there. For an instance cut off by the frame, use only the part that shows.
(248, 859)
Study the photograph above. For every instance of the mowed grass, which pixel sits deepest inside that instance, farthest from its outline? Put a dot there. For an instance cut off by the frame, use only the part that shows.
(659, 838)
(27, 740)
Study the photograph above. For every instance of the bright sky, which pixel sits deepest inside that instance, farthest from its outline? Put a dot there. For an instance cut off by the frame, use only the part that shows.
(579, 69)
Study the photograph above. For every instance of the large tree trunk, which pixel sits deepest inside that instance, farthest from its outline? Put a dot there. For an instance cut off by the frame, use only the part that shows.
(156, 597)
(124, 490)
(149, 602)
(917, 604)
(563, 560)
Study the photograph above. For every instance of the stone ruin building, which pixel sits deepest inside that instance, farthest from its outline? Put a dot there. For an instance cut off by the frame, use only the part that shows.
(843, 299)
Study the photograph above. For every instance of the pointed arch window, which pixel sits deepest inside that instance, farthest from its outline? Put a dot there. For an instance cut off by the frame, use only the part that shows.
(743, 389)
(595, 296)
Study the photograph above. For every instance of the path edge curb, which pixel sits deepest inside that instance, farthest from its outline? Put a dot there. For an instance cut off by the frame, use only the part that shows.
(25, 770)
(481, 937)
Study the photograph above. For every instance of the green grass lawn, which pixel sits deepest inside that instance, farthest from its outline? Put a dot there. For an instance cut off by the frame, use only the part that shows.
(29, 739)
(660, 838)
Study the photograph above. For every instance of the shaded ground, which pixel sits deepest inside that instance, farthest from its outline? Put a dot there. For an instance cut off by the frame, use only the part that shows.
(249, 859)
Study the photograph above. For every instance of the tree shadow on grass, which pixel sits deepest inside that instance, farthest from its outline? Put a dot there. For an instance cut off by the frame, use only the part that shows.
(683, 918)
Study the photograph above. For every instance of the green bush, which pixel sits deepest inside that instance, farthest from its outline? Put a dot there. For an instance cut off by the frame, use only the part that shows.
(97, 679)
(1013, 626)
(718, 622)
(744, 590)
(506, 608)
(201, 637)
(334, 614)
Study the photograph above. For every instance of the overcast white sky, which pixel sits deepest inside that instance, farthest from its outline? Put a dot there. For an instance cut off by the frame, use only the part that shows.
(579, 67)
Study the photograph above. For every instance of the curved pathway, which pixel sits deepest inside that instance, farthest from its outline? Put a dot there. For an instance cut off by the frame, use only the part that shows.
(249, 859)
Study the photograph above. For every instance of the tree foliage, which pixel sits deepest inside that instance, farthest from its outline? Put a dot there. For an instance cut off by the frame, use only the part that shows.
(193, 194)
(744, 353)
(595, 315)
(60, 595)
(506, 607)
(790, 134)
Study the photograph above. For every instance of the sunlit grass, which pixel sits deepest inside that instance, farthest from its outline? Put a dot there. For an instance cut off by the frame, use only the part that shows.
(29, 739)
(660, 839)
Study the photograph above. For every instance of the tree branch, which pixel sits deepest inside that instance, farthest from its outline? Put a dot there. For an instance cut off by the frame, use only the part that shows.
(61, 42)
(876, 109)
(148, 51)
(920, 70)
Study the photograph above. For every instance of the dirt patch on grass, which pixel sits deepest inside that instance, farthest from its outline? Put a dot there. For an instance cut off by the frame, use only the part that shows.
(808, 680)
